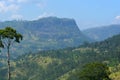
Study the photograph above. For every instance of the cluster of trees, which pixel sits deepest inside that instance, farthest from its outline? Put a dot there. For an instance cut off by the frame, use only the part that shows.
(94, 71)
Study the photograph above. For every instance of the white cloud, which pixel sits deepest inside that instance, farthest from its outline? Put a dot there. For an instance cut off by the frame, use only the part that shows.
(10, 0)
(21, 1)
(116, 20)
(5, 7)
(16, 1)
(41, 5)
(17, 17)
(117, 17)
(45, 14)
(10, 5)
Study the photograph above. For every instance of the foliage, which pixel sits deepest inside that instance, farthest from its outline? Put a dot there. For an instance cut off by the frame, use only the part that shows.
(94, 71)
(7, 37)
(46, 34)
(64, 64)
(115, 72)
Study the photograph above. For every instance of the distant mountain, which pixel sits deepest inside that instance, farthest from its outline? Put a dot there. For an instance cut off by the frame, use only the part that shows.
(102, 33)
(46, 33)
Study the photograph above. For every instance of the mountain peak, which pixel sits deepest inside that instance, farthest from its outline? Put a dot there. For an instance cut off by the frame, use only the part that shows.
(47, 33)
(55, 18)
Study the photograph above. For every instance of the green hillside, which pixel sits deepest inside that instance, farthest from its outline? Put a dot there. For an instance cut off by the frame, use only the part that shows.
(102, 33)
(46, 34)
(64, 64)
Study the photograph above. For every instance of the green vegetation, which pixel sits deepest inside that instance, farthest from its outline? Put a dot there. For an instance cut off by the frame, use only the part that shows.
(7, 37)
(115, 72)
(94, 71)
(68, 63)
(46, 34)
(102, 33)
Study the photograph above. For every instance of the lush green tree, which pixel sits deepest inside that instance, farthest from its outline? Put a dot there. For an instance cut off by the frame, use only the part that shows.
(94, 71)
(7, 37)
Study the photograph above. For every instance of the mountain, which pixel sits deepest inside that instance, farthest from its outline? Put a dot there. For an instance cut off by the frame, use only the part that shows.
(102, 33)
(63, 64)
(46, 34)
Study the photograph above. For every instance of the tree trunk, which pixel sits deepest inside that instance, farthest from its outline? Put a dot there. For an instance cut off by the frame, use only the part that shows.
(8, 57)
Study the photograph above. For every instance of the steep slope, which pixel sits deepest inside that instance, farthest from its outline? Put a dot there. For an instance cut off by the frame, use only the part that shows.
(102, 33)
(46, 33)
(107, 51)
(63, 64)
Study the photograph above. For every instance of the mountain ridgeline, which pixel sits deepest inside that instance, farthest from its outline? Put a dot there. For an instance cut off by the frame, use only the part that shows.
(102, 33)
(46, 33)
(44, 40)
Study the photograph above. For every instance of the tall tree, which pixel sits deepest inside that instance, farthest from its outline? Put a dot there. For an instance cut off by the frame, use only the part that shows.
(7, 37)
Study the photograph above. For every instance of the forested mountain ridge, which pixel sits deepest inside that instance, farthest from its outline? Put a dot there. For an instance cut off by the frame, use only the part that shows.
(102, 33)
(64, 64)
(46, 33)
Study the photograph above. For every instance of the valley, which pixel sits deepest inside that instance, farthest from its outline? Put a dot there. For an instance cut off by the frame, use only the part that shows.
(59, 51)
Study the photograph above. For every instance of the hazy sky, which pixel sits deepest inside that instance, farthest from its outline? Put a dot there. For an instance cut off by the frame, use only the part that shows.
(87, 13)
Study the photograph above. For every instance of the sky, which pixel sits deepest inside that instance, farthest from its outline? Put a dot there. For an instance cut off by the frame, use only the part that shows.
(86, 13)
